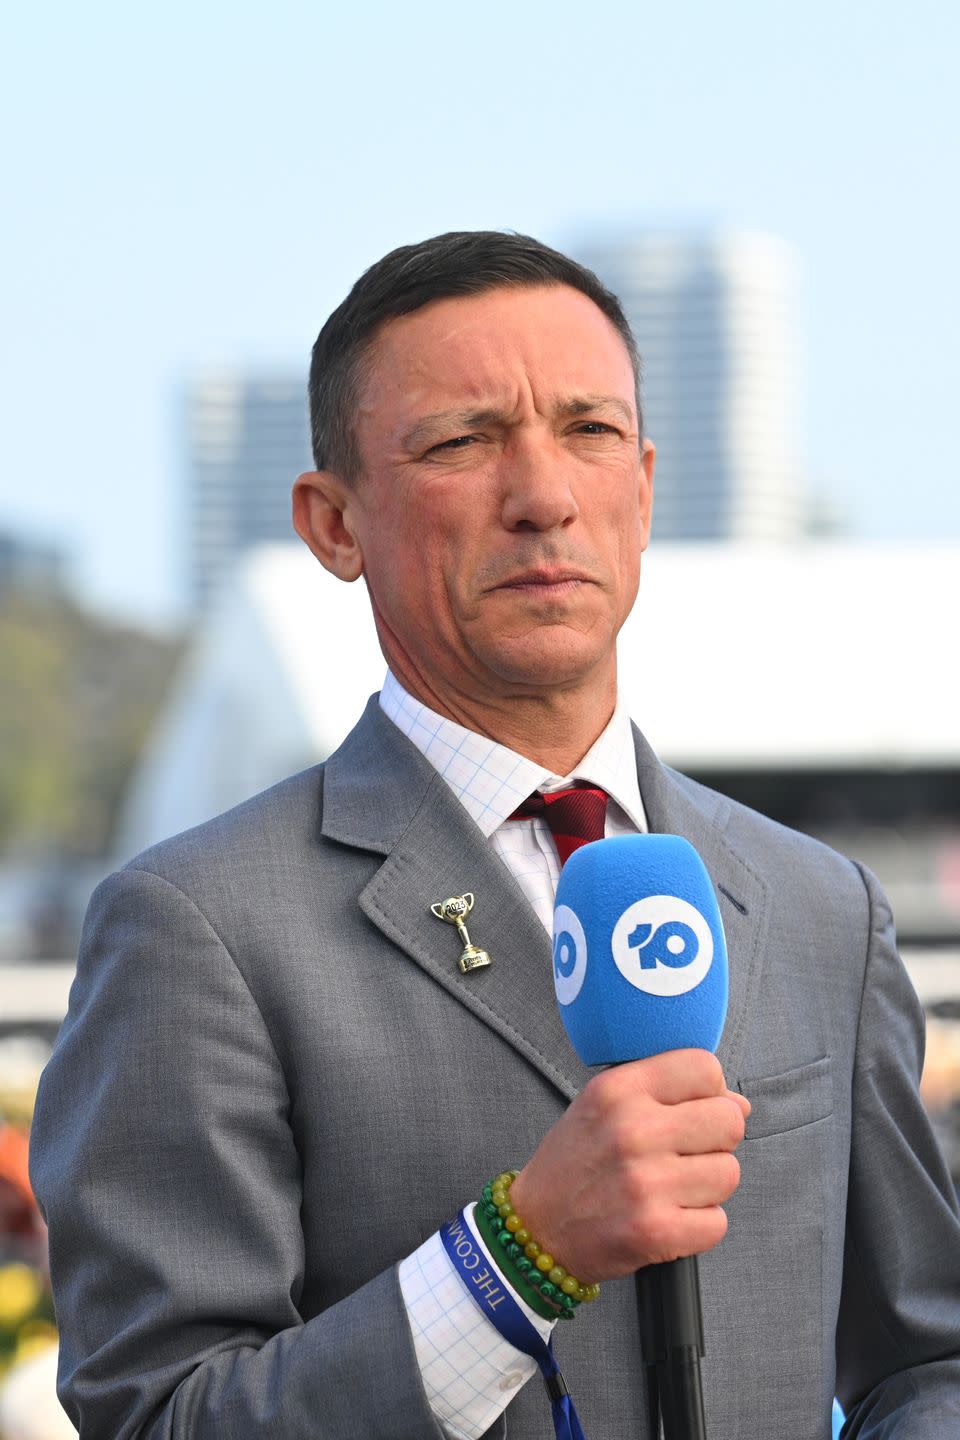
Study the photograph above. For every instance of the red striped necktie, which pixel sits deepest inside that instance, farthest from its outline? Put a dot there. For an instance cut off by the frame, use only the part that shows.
(575, 816)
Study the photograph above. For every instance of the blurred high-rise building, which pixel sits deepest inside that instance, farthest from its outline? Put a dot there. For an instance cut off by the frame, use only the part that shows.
(248, 439)
(714, 319)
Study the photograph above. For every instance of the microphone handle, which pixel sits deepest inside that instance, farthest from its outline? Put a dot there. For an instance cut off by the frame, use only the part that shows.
(671, 1343)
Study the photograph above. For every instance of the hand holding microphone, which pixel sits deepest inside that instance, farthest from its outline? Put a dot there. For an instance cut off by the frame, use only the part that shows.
(637, 1168)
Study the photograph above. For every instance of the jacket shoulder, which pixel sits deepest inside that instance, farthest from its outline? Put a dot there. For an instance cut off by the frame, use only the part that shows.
(259, 827)
(772, 848)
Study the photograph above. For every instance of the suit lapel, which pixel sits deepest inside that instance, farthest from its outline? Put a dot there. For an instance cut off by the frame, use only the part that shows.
(382, 795)
(676, 805)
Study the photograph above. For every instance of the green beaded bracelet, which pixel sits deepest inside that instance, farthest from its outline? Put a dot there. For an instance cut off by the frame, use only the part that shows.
(552, 1274)
(516, 1279)
(564, 1306)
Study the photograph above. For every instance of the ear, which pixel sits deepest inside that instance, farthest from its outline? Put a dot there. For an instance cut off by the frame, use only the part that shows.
(323, 515)
(648, 456)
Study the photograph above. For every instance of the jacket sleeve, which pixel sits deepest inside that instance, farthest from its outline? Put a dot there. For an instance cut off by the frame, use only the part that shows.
(164, 1164)
(898, 1336)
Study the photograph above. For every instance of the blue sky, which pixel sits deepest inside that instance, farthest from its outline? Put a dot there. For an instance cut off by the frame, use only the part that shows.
(197, 186)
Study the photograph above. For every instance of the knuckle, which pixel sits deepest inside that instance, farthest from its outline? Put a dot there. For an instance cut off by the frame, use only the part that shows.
(621, 1140)
(616, 1106)
(643, 1186)
(602, 1093)
(731, 1122)
(729, 1174)
(738, 1123)
(659, 1074)
(722, 1224)
(710, 1072)
(657, 1236)
(712, 1228)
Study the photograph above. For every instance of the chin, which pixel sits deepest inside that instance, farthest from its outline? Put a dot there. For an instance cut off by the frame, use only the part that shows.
(543, 665)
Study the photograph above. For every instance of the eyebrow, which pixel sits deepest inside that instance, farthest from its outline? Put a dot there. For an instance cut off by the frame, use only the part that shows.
(586, 404)
(430, 425)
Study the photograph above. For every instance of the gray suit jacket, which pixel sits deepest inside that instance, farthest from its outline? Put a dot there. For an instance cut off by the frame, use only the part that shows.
(273, 1083)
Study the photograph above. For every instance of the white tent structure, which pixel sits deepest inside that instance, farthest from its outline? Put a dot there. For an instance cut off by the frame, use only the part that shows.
(822, 654)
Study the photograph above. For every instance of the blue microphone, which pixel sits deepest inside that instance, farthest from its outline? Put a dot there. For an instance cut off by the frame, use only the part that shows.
(640, 967)
(639, 955)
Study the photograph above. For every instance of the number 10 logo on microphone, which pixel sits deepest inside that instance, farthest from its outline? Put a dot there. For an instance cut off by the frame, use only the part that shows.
(569, 954)
(661, 945)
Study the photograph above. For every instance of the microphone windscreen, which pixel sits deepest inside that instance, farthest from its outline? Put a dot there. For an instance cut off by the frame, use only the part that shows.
(639, 955)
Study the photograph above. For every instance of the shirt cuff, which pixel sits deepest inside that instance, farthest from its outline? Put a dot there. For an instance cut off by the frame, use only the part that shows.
(470, 1373)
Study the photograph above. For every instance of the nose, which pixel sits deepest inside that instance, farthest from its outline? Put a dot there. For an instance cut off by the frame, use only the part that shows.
(537, 485)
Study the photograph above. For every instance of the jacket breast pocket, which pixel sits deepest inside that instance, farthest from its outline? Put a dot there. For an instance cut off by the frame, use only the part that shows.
(788, 1101)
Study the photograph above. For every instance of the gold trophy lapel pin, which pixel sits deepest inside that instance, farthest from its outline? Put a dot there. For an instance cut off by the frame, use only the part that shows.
(455, 911)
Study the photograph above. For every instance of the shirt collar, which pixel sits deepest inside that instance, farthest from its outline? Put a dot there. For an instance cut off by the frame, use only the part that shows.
(490, 780)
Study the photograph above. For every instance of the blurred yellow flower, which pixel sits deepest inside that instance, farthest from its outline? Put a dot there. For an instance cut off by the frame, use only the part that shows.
(20, 1292)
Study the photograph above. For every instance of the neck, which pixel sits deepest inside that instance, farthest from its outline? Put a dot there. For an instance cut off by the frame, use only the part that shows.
(555, 728)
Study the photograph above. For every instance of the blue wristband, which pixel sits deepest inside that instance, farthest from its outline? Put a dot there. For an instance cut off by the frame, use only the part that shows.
(490, 1292)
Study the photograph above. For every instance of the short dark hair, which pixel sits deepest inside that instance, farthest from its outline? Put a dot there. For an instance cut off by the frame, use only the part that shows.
(461, 262)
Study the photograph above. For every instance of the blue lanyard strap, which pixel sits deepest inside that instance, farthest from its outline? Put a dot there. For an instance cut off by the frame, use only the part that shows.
(489, 1291)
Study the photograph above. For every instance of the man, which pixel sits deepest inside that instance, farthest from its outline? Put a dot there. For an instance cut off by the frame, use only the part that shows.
(275, 1084)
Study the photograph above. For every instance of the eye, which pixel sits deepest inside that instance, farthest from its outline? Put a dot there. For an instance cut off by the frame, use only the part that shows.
(459, 442)
(595, 427)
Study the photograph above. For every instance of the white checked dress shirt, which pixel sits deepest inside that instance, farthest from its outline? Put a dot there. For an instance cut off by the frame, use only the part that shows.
(470, 1373)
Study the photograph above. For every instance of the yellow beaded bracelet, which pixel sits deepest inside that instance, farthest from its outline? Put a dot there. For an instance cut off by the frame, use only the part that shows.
(544, 1262)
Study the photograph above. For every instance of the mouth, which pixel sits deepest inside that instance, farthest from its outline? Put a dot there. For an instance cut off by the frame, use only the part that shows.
(545, 582)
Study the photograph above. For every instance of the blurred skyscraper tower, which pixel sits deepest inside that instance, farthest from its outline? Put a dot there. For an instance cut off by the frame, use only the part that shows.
(248, 439)
(714, 320)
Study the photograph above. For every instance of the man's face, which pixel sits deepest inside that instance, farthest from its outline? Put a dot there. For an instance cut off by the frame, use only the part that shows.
(505, 499)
